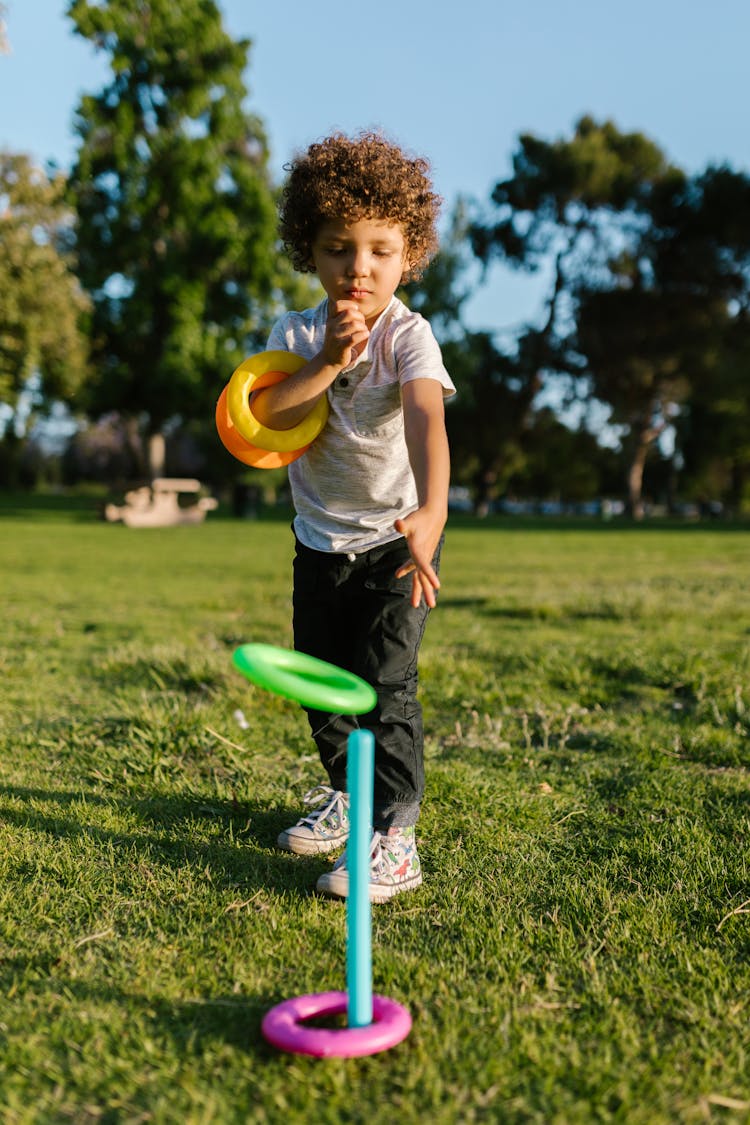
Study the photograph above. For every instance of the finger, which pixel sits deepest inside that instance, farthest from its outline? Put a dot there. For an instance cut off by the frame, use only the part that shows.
(426, 570)
(337, 307)
(422, 588)
(350, 334)
(430, 575)
(350, 316)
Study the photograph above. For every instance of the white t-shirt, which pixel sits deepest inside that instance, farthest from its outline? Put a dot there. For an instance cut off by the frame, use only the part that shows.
(355, 479)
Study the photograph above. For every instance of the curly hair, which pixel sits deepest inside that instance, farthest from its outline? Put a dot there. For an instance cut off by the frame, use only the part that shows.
(365, 177)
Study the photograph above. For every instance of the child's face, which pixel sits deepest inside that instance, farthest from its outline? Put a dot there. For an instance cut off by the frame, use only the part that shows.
(361, 261)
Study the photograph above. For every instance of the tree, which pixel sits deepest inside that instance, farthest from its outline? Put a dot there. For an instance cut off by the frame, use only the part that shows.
(669, 336)
(565, 464)
(641, 346)
(711, 253)
(489, 420)
(576, 203)
(491, 423)
(442, 290)
(715, 440)
(176, 214)
(714, 428)
(583, 207)
(42, 306)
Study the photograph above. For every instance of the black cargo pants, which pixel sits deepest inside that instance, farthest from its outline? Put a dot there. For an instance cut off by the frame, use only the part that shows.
(352, 611)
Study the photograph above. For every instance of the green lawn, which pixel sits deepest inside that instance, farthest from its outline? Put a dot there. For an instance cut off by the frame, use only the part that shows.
(580, 950)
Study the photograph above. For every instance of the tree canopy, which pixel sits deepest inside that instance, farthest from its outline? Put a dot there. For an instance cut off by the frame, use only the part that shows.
(649, 271)
(176, 215)
(42, 305)
(163, 270)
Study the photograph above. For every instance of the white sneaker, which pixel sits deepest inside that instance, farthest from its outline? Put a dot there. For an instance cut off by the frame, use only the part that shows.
(324, 829)
(394, 867)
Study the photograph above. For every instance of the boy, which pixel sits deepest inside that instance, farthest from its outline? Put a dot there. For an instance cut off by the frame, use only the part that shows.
(371, 493)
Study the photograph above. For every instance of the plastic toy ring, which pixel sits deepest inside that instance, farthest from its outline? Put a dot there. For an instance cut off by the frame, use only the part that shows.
(241, 384)
(282, 1026)
(233, 441)
(313, 683)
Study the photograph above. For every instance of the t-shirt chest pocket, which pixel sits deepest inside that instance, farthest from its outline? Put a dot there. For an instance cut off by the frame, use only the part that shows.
(377, 410)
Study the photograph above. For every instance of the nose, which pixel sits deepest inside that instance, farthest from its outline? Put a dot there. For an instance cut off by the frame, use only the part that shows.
(358, 264)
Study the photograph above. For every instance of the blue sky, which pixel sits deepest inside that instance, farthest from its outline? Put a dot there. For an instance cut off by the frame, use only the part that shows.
(456, 82)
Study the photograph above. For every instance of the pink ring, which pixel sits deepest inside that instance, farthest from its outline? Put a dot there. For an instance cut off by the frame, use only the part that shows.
(282, 1026)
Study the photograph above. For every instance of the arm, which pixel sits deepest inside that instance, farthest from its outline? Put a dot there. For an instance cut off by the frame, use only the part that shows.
(285, 404)
(427, 443)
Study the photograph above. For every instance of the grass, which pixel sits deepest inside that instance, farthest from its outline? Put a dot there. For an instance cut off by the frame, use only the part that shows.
(580, 951)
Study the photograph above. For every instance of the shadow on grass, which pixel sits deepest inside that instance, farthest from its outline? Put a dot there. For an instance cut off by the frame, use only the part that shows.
(151, 673)
(446, 601)
(166, 836)
(226, 1018)
(73, 509)
(489, 607)
(233, 1019)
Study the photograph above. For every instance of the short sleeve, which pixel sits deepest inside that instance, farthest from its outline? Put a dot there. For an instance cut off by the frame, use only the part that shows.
(418, 356)
(277, 340)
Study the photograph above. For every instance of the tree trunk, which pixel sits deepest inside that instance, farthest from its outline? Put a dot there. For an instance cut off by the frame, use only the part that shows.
(10, 458)
(635, 480)
(646, 433)
(156, 455)
(134, 443)
(738, 480)
(485, 486)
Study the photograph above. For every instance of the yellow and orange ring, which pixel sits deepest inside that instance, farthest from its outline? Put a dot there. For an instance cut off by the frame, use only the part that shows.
(233, 441)
(245, 380)
(262, 370)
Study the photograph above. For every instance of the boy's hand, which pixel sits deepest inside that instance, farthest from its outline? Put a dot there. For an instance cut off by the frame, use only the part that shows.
(422, 532)
(345, 329)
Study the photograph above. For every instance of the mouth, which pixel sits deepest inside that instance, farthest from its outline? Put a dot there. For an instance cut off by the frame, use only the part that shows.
(357, 294)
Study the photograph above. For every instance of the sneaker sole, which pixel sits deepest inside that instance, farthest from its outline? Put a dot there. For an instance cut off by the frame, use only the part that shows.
(302, 846)
(334, 885)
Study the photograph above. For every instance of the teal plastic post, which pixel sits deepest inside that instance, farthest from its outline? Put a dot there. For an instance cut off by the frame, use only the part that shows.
(360, 768)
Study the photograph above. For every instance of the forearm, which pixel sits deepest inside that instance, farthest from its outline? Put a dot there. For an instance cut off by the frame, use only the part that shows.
(285, 404)
(427, 445)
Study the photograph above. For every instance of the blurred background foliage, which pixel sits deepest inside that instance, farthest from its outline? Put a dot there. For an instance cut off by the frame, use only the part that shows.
(132, 285)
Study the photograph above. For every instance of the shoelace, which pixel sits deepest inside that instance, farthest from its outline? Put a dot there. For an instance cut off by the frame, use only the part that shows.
(316, 796)
(376, 852)
(378, 863)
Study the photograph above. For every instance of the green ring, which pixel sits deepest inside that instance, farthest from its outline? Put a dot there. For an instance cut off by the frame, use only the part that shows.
(299, 676)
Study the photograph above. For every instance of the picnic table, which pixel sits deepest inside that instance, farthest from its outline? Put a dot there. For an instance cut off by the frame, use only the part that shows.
(158, 504)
